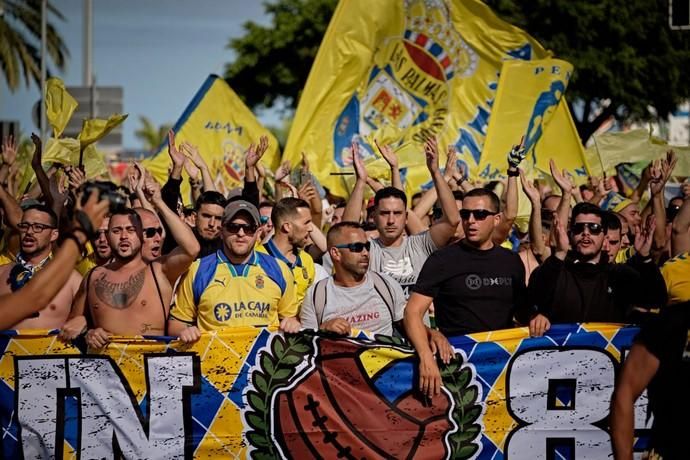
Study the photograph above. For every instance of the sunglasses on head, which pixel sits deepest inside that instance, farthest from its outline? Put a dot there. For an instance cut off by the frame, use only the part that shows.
(354, 247)
(579, 227)
(479, 214)
(150, 232)
(234, 228)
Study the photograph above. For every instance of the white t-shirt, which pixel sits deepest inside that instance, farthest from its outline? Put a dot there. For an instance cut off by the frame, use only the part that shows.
(361, 306)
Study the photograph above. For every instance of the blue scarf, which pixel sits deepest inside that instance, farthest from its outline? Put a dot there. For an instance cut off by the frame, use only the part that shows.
(23, 271)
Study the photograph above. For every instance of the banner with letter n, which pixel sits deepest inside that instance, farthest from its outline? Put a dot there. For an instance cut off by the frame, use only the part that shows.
(256, 393)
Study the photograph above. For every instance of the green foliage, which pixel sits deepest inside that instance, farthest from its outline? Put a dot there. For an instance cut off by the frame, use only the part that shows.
(20, 42)
(622, 50)
(275, 371)
(150, 135)
(273, 62)
(457, 379)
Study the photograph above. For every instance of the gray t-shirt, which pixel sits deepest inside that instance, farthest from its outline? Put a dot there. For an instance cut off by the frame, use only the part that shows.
(402, 263)
(360, 305)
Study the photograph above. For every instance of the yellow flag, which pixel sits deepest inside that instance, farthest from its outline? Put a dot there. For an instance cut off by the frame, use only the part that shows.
(530, 96)
(400, 72)
(60, 105)
(95, 129)
(610, 149)
(222, 127)
(66, 152)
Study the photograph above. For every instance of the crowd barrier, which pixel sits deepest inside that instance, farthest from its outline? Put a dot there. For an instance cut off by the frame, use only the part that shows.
(256, 393)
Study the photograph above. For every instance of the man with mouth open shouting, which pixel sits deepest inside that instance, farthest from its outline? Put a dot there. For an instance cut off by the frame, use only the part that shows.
(581, 285)
(38, 232)
(131, 295)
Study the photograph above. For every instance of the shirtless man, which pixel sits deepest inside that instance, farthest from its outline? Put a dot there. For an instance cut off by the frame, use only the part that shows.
(130, 296)
(38, 231)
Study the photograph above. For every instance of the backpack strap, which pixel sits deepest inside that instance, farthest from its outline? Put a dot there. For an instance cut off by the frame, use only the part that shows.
(383, 290)
(319, 299)
(272, 269)
(203, 276)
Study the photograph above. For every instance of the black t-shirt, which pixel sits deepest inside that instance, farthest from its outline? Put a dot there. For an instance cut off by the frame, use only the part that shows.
(473, 290)
(668, 338)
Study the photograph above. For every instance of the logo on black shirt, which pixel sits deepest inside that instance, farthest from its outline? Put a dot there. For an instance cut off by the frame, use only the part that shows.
(473, 282)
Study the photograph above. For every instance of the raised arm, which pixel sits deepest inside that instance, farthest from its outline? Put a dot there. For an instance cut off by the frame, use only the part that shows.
(535, 224)
(428, 198)
(193, 154)
(566, 185)
(509, 213)
(353, 209)
(179, 259)
(21, 304)
(13, 213)
(37, 166)
(392, 159)
(680, 235)
(443, 229)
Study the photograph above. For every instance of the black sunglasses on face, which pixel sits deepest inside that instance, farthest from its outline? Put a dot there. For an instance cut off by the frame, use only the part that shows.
(579, 227)
(150, 232)
(354, 247)
(234, 228)
(479, 214)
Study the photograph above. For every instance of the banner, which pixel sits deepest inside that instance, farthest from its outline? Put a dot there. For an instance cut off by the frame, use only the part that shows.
(253, 393)
(222, 127)
(401, 72)
(530, 95)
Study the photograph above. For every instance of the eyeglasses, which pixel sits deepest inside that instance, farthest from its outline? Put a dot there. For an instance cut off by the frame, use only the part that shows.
(579, 227)
(354, 247)
(479, 214)
(34, 226)
(150, 232)
(234, 228)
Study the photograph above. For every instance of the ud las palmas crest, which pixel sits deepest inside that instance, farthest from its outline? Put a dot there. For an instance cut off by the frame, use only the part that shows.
(311, 396)
(409, 84)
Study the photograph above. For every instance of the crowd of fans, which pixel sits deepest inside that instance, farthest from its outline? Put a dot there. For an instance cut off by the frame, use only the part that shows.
(454, 259)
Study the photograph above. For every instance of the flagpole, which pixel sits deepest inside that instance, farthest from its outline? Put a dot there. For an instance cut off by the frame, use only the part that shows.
(44, 4)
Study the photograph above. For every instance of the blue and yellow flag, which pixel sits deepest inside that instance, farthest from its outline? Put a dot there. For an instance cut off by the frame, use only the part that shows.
(401, 72)
(530, 96)
(222, 127)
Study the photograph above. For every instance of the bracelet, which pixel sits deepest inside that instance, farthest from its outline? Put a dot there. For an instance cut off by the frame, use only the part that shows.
(514, 173)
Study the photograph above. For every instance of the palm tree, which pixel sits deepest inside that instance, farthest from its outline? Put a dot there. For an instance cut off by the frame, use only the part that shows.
(20, 41)
(151, 135)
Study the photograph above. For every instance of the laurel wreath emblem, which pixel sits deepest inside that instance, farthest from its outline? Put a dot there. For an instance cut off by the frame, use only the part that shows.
(276, 369)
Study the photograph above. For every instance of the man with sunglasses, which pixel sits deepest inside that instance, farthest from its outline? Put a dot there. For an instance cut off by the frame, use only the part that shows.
(581, 285)
(235, 286)
(474, 284)
(353, 297)
(132, 295)
(101, 253)
(38, 233)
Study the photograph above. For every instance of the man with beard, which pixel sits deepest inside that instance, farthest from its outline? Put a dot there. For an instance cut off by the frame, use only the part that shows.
(38, 231)
(393, 253)
(292, 225)
(353, 296)
(236, 286)
(130, 296)
(582, 285)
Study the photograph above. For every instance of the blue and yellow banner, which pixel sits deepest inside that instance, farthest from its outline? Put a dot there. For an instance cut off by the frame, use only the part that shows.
(222, 127)
(530, 94)
(401, 72)
(255, 393)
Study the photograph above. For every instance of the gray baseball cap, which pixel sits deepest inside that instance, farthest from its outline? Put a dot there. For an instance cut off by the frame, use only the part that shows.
(237, 206)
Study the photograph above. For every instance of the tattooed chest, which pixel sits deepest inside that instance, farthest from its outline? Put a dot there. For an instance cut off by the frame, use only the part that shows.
(121, 294)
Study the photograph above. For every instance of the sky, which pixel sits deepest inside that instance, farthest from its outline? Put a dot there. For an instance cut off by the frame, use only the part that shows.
(159, 51)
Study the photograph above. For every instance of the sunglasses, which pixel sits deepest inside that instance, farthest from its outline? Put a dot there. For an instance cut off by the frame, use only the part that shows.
(150, 232)
(234, 228)
(579, 227)
(354, 247)
(479, 214)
